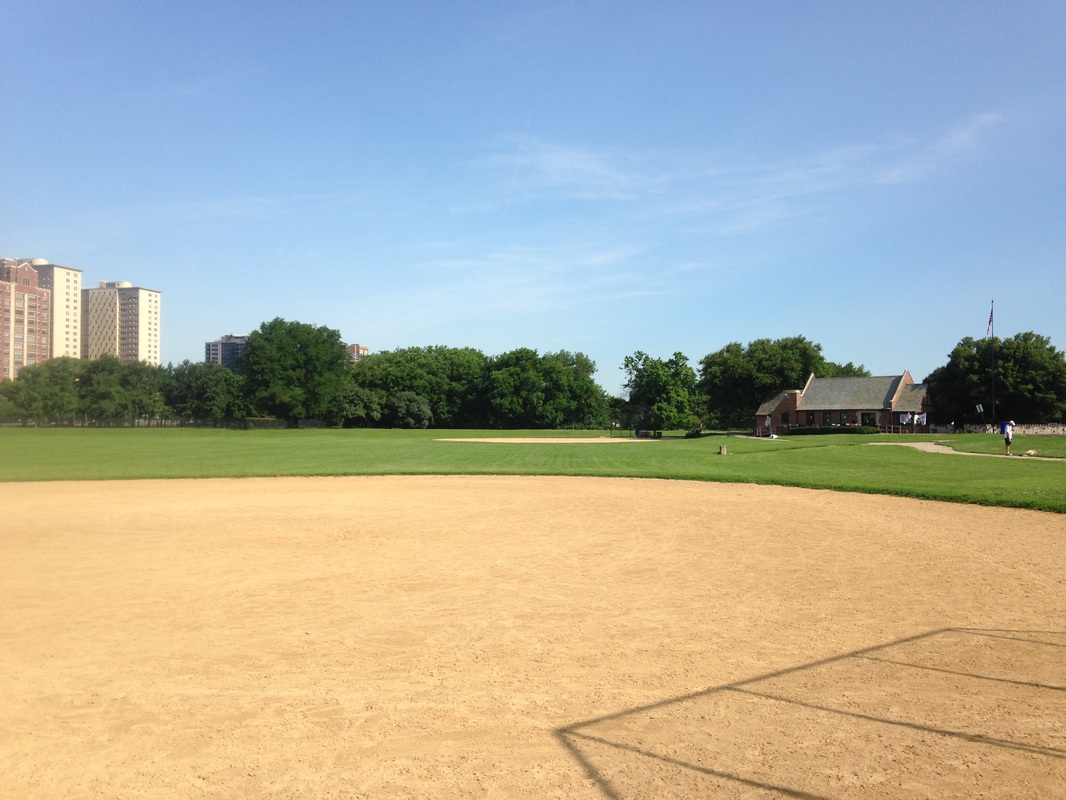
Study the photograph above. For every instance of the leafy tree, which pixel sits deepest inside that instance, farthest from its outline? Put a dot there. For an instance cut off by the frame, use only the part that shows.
(9, 406)
(46, 392)
(573, 398)
(105, 391)
(515, 390)
(142, 386)
(293, 370)
(735, 379)
(662, 393)
(450, 379)
(407, 410)
(202, 392)
(102, 394)
(13, 401)
(554, 390)
(356, 406)
(1029, 380)
(464, 388)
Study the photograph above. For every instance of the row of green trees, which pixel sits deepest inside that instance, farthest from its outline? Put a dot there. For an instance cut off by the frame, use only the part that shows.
(1023, 378)
(297, 372)
(668, 393)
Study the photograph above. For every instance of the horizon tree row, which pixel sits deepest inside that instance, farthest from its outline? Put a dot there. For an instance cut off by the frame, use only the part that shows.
(298, 373)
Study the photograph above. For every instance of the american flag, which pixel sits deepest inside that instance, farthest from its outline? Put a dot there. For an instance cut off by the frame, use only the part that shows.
(990, 313)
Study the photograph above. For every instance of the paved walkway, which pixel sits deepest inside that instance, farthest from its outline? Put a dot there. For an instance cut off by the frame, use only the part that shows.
(937, 447)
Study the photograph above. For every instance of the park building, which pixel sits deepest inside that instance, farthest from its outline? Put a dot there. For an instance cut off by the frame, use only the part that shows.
(891, 403)
(122, 320)
(25, 317)
(226, 350)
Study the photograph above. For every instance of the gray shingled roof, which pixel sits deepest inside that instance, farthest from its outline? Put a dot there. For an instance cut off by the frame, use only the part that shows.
(768, 406)
(847, 394)
(910, 399)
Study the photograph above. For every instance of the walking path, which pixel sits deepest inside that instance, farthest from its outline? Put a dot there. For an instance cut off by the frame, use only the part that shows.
(937, 447)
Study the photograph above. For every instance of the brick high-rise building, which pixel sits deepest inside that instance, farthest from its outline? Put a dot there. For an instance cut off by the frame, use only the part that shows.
(123, 320)
(25, 318)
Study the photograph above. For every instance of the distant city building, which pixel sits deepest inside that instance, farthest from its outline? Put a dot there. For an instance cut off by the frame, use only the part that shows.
(357, 352)
(65, 286)
(123, 320)
(225, 350)
(25, 317)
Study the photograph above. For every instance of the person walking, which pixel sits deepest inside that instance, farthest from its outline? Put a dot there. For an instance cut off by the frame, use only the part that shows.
(1008, 434)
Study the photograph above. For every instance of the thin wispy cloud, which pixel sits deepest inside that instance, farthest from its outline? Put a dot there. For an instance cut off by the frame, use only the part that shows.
(964, 141)
(739, 195)
(542, 167)
(522, 280)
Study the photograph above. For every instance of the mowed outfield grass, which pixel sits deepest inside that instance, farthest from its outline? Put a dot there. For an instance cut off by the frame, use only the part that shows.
(841, 462)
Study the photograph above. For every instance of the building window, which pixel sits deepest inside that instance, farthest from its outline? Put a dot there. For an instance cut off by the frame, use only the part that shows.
(784, 418)
(810, 417)
(843, 417)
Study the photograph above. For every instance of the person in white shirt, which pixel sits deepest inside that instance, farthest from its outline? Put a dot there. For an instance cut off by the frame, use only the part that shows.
(1008, 435)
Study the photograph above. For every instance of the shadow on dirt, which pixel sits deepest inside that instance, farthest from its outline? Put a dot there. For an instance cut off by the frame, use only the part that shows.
(945, 713)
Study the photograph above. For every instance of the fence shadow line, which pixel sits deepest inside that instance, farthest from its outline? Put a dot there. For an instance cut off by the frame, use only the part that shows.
(568, 734)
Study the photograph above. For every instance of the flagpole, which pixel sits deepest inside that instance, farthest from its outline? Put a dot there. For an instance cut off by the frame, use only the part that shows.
(992, 329)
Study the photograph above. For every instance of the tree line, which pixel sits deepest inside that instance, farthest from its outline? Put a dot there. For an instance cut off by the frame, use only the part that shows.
(296, 372)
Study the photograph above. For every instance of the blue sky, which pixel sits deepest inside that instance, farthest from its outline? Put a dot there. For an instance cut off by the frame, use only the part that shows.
(602, 177)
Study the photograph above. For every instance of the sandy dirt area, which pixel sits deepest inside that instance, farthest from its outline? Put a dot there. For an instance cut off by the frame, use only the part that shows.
(499, 637)
(549, 439)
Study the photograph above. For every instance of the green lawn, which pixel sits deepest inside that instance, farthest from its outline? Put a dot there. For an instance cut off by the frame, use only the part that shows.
(840, 462)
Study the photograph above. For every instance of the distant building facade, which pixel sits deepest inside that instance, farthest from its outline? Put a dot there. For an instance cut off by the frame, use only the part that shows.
(226, 350)
(888, 402)
(65, 285)
(25, 318)
(122, 320)
(357, 352)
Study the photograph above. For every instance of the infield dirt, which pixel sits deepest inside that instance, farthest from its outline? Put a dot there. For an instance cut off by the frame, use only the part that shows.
(525, 637)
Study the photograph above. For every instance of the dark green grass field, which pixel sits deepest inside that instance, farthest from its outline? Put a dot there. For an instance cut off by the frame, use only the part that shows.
(842, 462)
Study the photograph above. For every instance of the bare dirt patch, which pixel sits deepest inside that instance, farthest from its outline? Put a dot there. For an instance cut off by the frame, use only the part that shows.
(549, 440)
(937, 447)
(525, 637)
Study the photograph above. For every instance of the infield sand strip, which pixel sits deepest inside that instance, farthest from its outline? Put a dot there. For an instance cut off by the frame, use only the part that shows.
(537, 637)
(548, 439)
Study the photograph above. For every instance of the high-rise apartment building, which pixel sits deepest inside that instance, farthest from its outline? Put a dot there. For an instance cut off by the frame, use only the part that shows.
(25, 317)
(225, 350)
(357, 352)
(65, 286)
(123, 320)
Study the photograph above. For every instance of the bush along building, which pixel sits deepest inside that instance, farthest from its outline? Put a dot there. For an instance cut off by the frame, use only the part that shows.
(893, 403)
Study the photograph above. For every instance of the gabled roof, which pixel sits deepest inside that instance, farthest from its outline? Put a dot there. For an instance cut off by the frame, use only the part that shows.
(846, 394)
(768, 406)
(910, 399)
(888, 392)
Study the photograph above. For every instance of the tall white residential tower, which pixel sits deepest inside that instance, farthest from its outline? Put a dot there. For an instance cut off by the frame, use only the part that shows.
(123, 320)
(65, 286)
